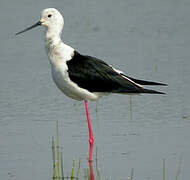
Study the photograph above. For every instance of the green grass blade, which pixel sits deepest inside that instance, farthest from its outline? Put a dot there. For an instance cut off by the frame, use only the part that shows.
(57, 167)
(53, 156)
(85, 174)
(131, 110)
(73, 169)
(132, 173)
(97, 116)
(179, 170)
(78, 171)
(98, 174)
(88, 174)
(62, 170)
(57, 170)
(164, 170)
(96, 157)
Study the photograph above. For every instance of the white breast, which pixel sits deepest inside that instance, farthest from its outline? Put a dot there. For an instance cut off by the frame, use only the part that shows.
(58, 56)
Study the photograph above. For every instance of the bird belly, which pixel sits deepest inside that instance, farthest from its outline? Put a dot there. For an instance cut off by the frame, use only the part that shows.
(69, 88)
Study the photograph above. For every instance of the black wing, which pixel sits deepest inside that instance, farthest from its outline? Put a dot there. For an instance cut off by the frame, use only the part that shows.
(143, 82)
(96, 76)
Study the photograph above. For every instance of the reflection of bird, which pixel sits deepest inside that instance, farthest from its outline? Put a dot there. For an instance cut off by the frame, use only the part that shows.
(83, 77)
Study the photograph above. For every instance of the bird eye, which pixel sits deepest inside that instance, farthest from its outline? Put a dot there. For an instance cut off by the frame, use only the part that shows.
(49, 15)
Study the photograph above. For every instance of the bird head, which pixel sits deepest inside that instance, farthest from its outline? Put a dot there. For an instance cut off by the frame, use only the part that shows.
(51, 18)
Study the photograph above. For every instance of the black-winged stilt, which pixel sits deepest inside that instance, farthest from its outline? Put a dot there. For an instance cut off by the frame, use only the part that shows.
(82, 77)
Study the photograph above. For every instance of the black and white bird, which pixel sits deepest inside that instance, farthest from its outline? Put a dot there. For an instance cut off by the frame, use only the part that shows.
(82, 77)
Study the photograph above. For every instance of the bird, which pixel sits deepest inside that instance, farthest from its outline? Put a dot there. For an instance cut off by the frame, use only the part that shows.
(82, 77)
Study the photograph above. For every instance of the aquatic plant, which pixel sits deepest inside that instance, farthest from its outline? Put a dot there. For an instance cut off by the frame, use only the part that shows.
(58, 165)
(57, 156)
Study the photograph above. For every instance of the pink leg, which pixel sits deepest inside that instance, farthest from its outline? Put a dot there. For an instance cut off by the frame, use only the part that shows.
(91, 137)
(91, 170)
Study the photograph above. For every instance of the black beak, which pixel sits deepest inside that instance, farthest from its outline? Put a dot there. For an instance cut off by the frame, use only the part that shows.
(31, 27)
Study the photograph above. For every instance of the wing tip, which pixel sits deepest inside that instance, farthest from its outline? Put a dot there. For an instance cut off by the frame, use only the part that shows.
(150, 91)
(159, 84)
(144, 82)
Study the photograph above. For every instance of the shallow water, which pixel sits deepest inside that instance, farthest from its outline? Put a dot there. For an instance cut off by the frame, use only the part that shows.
(146, 39)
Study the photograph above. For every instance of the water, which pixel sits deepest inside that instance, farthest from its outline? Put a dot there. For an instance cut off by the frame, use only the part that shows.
(147, 39)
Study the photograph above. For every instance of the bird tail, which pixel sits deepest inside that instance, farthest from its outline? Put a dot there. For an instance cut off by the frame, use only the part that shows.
(150, 91)
(137, 90)
(142, 82)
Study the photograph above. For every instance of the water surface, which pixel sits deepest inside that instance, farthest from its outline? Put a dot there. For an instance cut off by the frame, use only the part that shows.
(146, 39)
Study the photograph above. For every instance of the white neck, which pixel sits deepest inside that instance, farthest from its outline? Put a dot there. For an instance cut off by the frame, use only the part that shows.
(53, 35)
(55, 48)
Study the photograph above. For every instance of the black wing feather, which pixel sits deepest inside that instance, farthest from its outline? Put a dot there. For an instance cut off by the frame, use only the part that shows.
(143, 82)
(96, 76)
